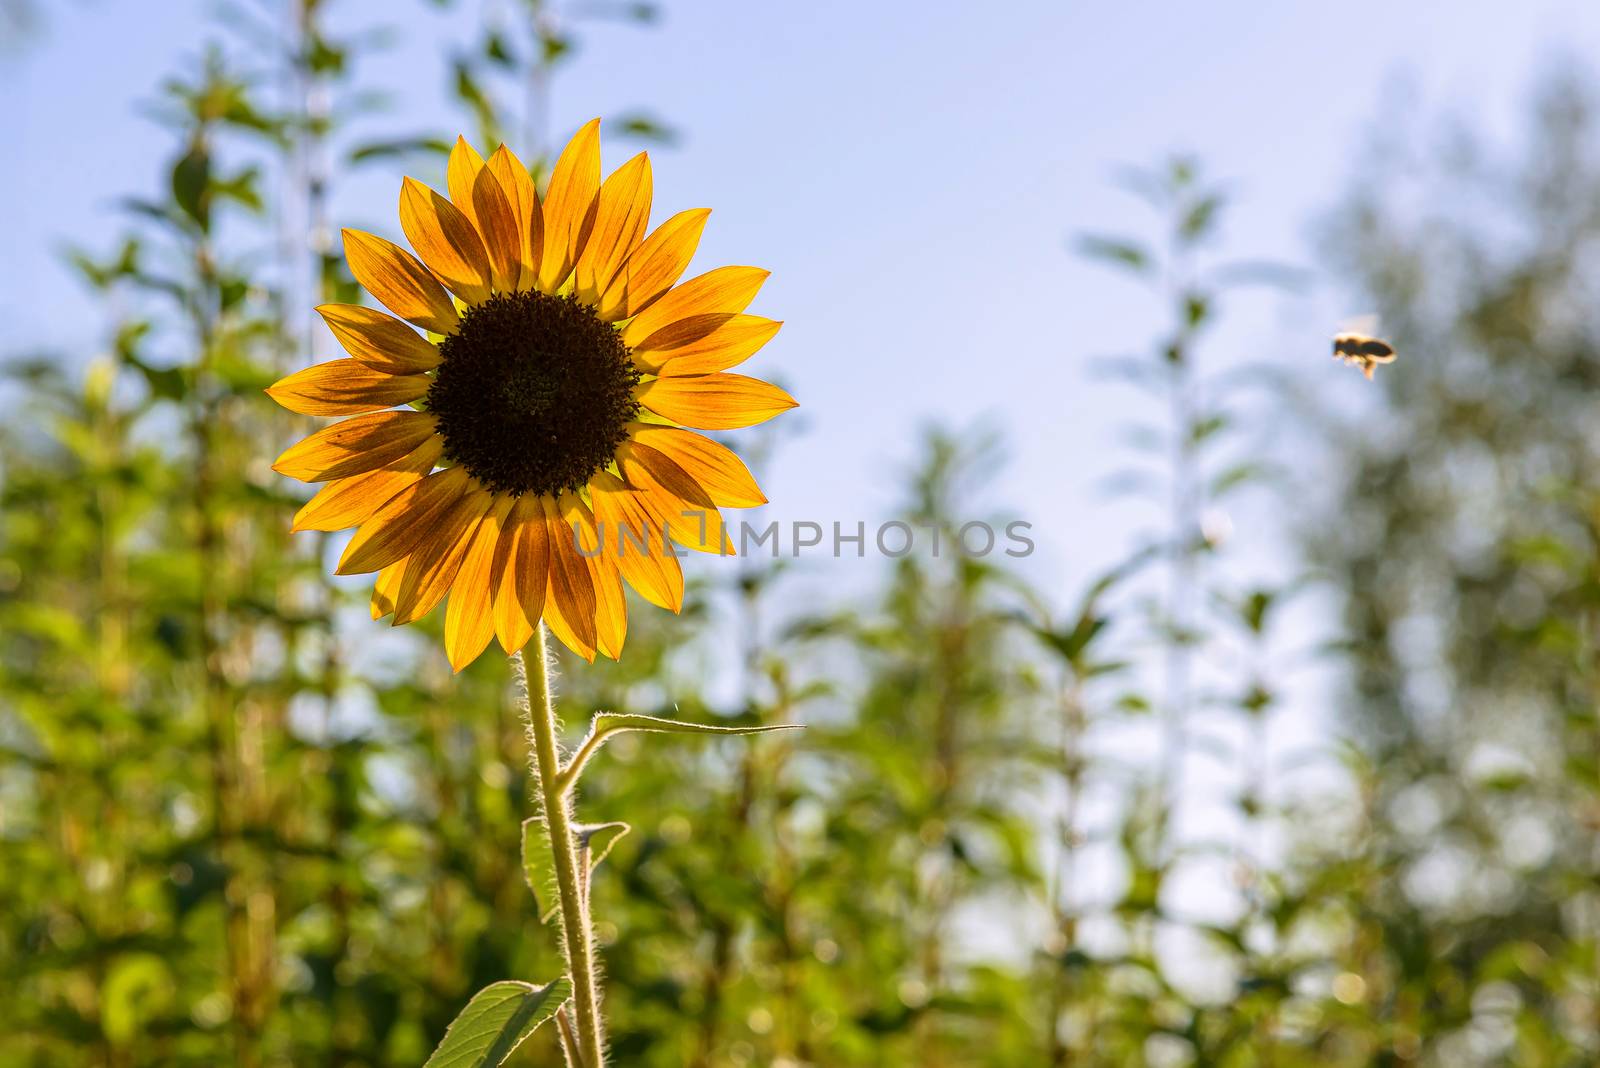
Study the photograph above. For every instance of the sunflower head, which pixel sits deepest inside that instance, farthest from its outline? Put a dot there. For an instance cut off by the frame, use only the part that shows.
(531, 449)
(533, 393)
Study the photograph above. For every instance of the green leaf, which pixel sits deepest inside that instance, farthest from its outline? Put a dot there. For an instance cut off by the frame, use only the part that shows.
(1254, 609)
(1204, 428)
(100, 274)
(471, 93)
(552, 47)
(1200, 218)
(323, 57)
(191, 179)
(138, 989)
(644, 127)
(129, 337)
(1114, 250)
(539, 867)
(166, 383)
(1133, 703)
(595, 841)
(1240, 474)
(496, 1021)
(608, 723)
(497, 49)
(1070, 644)
(241, 189)
(402, 147)
(598, 839)
(605, 724)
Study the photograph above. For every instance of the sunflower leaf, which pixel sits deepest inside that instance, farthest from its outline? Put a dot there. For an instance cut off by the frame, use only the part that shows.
(605, 724)
(609, 723)
(496, 1021)
(598, 839)
(539, 867)
(595, 842)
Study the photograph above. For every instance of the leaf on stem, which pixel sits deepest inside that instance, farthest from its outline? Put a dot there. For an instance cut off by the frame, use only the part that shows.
(597, 840)
(496, 1021)
(609, 723)
(605, 724)
(539, 866)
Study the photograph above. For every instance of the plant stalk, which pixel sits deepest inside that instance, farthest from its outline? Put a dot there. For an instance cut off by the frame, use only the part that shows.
(577, 941)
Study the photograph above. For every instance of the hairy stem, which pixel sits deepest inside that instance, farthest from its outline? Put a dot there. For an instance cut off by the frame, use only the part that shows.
(569, 1039)
(577, 942)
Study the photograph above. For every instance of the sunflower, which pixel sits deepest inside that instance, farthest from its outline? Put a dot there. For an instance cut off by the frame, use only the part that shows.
(529, 452)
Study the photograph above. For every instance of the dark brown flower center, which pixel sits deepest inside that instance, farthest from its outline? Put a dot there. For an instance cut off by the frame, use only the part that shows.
(534, 393)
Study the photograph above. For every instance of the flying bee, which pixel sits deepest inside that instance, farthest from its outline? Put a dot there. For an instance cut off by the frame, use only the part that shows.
(1356, 345)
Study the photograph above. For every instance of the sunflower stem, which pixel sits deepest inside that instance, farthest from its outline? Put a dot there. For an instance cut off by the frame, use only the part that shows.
(569, 1040)
(577, 940)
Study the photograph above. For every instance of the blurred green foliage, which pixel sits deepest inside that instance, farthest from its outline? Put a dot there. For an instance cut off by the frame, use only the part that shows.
(240, 824)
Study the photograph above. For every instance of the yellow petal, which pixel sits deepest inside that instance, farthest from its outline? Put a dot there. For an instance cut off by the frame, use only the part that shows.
(380, 341)
(726, 290)
(569, 603)
(345, 387)
(569, 206)
(500, 206)
(654, 266)
(714, 402)
(633, 538)
(360, 443)
(349, 502)
(724, 477)
(400, 283)
(461, 175)
(611, 606)
(386, 588)
(517, 185)
(674, 499)
(435, 562)
(622, 214)
(469, 617)
(703, 344)
(404, 522)
(445, 240)
(521, 573)
(502, 237)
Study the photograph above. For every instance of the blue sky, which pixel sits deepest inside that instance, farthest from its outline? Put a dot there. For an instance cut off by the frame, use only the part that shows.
(911, 174)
